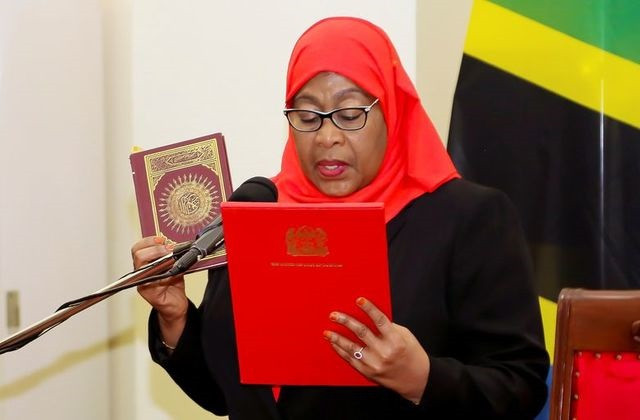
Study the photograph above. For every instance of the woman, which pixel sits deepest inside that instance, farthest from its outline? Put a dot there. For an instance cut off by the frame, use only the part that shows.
(466, 340)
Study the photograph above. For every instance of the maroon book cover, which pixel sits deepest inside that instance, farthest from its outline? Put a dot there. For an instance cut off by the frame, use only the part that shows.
(290, 265)
(179, 188)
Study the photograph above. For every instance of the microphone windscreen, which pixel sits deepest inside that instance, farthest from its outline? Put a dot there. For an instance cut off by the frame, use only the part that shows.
(256, 189)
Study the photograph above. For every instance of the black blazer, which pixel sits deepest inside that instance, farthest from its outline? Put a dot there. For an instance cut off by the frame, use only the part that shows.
(461, 281)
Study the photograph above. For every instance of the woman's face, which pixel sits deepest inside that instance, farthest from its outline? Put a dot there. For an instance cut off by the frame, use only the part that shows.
(336, 161)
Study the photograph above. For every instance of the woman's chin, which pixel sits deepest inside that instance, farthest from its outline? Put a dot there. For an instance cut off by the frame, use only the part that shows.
(333, 190)
(336, 188)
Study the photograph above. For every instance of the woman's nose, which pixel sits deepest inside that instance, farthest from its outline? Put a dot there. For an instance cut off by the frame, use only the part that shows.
(328, 134)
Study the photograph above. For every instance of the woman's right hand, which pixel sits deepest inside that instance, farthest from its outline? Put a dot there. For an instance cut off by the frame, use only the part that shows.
(168, 296)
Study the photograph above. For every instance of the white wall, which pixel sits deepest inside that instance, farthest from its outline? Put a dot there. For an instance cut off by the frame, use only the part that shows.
(52, 205)
(208, 66)
(81, 82)
(441, 32)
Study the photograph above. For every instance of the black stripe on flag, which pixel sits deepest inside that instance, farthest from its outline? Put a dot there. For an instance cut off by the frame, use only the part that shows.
(573, 174)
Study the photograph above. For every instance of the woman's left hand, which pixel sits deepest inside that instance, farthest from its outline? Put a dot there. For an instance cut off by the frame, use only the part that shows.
(392, 356)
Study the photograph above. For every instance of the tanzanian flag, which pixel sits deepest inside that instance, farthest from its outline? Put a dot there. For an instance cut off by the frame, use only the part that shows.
(547, 109)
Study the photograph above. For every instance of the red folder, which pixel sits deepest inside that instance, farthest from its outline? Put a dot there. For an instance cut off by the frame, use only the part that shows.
(290, 265)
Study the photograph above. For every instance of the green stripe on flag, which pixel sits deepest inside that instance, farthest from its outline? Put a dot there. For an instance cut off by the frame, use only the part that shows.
(611, 25)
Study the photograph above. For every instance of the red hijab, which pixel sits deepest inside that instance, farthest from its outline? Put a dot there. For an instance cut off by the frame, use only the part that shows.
(415, 160)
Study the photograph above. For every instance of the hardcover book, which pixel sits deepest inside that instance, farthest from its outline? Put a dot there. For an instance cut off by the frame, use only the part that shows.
(179, 188)
(290, 266)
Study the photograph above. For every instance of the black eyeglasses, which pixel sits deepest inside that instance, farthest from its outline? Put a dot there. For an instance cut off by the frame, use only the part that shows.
(350, 118)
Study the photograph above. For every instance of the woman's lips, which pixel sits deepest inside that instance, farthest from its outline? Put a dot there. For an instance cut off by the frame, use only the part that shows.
(331, 168)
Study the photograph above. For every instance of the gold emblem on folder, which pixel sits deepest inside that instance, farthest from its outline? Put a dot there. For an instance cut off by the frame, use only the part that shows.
(307, 241)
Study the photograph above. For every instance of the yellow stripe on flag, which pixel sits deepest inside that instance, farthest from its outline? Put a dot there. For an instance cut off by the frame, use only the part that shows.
(548, 309)
(585, 74)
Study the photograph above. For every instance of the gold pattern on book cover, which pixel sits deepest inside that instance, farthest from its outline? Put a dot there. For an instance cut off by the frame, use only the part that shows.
(189, 200)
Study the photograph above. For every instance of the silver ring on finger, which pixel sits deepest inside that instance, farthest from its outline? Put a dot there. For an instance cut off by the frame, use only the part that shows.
(358, 353)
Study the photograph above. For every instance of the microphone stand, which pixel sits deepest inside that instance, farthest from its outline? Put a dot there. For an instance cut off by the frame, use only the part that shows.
(34, 331)
(254, 189)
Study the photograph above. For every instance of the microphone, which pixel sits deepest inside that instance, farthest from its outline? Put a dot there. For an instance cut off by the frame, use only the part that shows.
(256, 189)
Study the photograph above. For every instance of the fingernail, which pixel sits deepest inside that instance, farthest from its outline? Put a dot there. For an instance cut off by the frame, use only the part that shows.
(326, 335)
(159, 240)
(169, 247)
(361, 301)
(333, 316)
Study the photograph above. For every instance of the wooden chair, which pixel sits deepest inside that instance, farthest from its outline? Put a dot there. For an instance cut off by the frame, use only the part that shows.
(596, 369)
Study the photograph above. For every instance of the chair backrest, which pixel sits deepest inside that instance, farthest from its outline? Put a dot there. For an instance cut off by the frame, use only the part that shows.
(596, 369)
